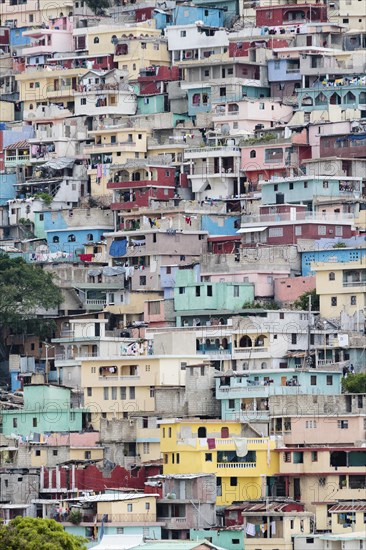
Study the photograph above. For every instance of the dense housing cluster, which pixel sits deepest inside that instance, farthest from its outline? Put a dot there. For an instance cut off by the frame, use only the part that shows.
(192, 175)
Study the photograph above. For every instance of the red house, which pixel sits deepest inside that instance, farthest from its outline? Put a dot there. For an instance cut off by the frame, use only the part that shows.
(273, 16)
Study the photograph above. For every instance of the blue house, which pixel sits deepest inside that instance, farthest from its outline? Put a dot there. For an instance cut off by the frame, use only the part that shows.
(242, 392)
(68, 239)
(330, 254)
(17, 39)
(283, 70)
(7, 189)
(303, 189)
(217, 225)
(199, 99)
(188, 15)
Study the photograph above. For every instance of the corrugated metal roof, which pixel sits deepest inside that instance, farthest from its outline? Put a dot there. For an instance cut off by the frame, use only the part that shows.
(348, 508)
(18, 145)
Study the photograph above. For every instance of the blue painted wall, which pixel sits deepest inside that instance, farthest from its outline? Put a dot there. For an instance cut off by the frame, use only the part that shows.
(7, 189)
(17, 38)
(211, 224)
(278, 71)
(329, 255)
(188, 15)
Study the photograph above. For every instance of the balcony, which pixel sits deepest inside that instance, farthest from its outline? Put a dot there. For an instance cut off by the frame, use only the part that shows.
(11, 161)
(214, 151)
(127, 518)
(298, 216)
(236, 465)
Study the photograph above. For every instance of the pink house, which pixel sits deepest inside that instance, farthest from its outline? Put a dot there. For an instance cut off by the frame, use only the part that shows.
(263, 280)
(262, 160)
(288, 289)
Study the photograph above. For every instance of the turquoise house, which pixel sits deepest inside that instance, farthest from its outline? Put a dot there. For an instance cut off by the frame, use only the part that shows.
(236, 391)
(46, 409)
(305, 188)
(194, 297)
(149, 531)
(230, 539)
(151, 104)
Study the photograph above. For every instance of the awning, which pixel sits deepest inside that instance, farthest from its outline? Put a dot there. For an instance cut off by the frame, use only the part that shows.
(59, 164)
(251, 229)
(118, 248)
(113, 271)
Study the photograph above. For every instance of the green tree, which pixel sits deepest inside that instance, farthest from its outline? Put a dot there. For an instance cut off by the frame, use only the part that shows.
(24, 288)
(98, 6)
(303, 301)
(354, 383)
(38, 534)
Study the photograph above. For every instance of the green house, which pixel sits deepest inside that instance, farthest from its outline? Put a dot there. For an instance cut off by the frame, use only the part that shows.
(46, 409)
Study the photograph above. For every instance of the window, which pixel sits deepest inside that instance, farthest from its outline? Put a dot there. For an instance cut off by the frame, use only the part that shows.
(38, 452)
(83, 101)
(231, 404)
(233, 481)
(15, 422)
(142, 280)
(183, 33)
(314, 456)
(55, 452)
(331, 276)
(71, 238)
(209, 290)
(236, 289)
(329, 380)
(261, 106)
(96, 40)
(275, 232)
(182, 290)
(294, 338)
(114, 393)
(177, 458)
(333, 301)
(298, 230)
(152, 391)
(313, 380)
(146, 448)
(253, 154)
(129, 507)
(56, 239)
(208, 457)
(325, 185)
(34, 423)
(342, 424)
(198, 291)
(322, 230)
(291, 185)
(122, 393)
(353, 300)
(87, 455)
(106, 394)
(132, 392)
(147, 505)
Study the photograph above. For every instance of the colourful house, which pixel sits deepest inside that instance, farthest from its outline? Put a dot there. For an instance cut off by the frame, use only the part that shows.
(192, 296)
(243, 465)
(341, 286)
(46, 409)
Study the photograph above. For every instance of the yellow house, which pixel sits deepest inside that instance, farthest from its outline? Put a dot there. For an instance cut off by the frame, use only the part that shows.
(54, 85)
(341, 287)
(59, 447)
(242, 465)
(319, 476)
(6, 111)
(126, 507)
(117, 388)
(32, 12)
(112, 147)
(139, 47)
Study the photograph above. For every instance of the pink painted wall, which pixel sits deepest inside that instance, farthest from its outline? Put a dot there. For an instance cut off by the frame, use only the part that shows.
(263, 285)
(326, 431)
(288, 289)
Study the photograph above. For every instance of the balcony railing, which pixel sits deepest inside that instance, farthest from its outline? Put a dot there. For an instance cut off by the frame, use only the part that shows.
(241, 465)
(127, 518)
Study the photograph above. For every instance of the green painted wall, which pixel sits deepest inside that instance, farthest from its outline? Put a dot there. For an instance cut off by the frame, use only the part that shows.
(46, 409)
(189, 295)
